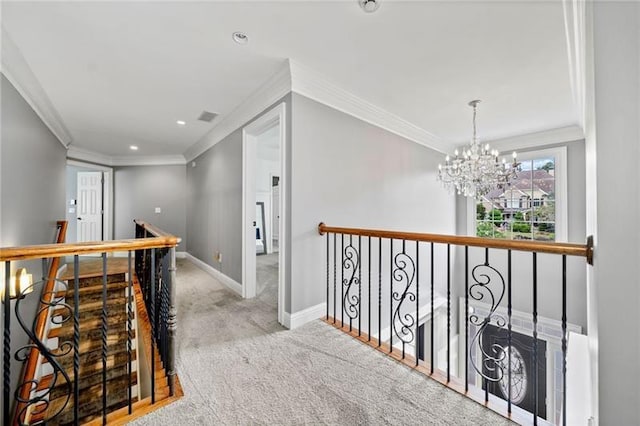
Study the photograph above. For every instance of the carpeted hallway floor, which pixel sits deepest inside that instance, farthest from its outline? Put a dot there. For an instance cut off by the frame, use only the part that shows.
(238, 366)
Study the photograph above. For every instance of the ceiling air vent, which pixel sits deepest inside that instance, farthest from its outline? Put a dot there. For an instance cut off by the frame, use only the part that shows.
(207, 116)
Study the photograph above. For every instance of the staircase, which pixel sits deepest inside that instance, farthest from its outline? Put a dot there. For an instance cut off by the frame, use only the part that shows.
(121, 380)
(89, 354)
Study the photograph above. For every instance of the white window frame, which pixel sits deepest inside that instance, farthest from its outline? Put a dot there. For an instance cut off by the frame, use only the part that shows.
(560, 175)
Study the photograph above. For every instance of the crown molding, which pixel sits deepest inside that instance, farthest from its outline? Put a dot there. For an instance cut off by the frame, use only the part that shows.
(266, 95)
(538, 139)
(106, 160)
(575, 33)
(16, 69)
(313, 85)
(154, 160)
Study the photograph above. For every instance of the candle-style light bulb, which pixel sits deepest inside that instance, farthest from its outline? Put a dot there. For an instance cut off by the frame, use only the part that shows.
(456, 152)
(446, 159)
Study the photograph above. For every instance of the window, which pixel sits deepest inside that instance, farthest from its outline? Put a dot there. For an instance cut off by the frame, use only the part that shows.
(533, 207)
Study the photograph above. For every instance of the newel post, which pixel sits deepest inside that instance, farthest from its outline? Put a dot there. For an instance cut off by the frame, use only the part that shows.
(172, 325)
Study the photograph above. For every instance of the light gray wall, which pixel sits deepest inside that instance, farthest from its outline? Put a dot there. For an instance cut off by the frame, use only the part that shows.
(138, 190)
(345, 172)
(616, 149)
(214, 204)
(32, 190)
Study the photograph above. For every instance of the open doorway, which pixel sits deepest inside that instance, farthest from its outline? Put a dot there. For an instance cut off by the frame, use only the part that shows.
(263, 176)
(88, 202)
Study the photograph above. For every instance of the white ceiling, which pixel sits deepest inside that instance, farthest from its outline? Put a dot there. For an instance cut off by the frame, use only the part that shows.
(122, 73)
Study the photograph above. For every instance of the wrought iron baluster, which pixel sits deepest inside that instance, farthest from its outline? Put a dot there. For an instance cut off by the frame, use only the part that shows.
(564, 340)
(448, 312)
(418, 338)
(432, 306)
(152, 312)
(535, 338)
(379, 291)
(172, 325)
(342, 282)
(129, 330)
(391, 296)
(335, 275)
(104, 338)
(327, 316)
(6, 373)
(488, 284)
(76, 337)
(466, 317)
(359, 286)
(37, 404)
(403, 274)
(486, 385)
(509, 332)
(369, 289)
(351, 302)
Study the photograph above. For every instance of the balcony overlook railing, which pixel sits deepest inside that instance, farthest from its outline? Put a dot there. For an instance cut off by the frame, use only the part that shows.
(462, 310)
(88, 329)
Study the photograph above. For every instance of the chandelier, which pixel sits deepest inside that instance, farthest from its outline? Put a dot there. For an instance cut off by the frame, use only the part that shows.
(478, 170)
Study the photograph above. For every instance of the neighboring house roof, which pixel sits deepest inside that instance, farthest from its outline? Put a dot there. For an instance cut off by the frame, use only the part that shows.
(530, 183)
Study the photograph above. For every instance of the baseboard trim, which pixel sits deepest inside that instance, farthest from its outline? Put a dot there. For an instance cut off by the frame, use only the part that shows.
(181, 255)
(300, 318)
(227, 281)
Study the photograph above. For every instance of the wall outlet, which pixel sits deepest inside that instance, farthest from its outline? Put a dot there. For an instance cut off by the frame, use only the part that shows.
(218, 257)
(158, 210)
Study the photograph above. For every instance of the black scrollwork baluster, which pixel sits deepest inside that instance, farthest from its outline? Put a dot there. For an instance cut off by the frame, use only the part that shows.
(489, 286)
(39, 403)
(404, 272)
(351, 265)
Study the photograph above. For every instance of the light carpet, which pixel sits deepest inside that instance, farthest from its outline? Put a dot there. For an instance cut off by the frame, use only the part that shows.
(238, 366)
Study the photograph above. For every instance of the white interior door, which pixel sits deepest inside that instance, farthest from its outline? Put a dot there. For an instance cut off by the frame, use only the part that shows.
(89, 206)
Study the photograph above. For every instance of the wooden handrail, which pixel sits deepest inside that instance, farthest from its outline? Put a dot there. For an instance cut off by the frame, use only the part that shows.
(60, 250)
(569, 249)
(29, 369)
(154, 230)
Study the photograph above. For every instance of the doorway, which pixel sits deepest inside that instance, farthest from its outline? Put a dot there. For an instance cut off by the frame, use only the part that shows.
(89, 201)
(263, 143)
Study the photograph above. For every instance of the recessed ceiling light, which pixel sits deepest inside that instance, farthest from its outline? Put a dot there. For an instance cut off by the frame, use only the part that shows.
(133, 147)
(240, 37)
(369, 5)
(181, 123)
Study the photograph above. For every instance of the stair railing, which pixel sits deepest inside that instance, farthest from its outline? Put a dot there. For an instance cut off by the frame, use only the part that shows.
(157, 273)
(43, 315)
(37, 404)
(394, 291)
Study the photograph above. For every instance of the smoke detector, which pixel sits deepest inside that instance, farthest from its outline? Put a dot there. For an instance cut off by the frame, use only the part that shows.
(369, 6)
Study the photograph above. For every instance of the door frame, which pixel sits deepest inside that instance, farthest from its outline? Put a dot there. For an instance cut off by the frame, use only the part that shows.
(276, 116)
(107, 195)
